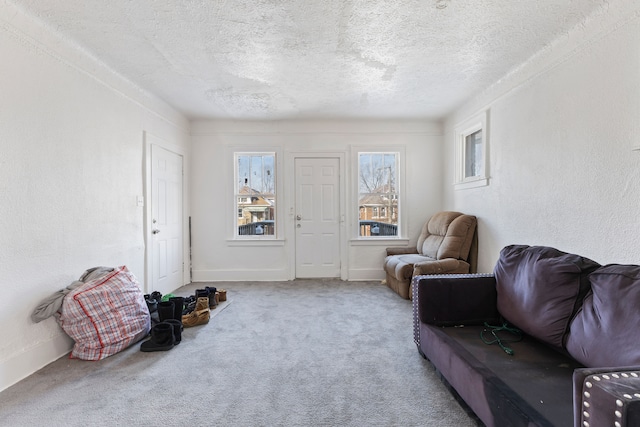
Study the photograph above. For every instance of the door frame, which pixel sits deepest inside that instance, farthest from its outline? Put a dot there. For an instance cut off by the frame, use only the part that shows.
(290, 230)
(149, 140)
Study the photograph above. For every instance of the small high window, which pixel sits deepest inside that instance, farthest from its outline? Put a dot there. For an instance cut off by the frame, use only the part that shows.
(471, 153)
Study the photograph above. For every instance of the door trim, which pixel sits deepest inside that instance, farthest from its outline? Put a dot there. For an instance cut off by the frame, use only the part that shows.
(148, 141)
(291, 198)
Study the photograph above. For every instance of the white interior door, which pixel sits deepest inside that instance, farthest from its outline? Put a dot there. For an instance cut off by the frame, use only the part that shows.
(317, 217)
(166, 220)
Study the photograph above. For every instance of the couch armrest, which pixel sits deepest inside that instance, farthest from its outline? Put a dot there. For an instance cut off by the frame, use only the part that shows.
(606, 396)
(456, 299)
(401, 250)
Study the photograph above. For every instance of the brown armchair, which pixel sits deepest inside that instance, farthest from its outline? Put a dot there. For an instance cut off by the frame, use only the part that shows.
(448, 244)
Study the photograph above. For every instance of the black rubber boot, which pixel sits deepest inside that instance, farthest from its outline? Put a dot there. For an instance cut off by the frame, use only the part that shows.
(166, 310)
(177, 329)
(162, 338)
(178, 306)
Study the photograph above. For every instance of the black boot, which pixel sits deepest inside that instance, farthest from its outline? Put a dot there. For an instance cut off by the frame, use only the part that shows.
(152, 304)
(156, 296)
(162, 338)
(178, 306)
(177, 329)
(201, 293)
(166, 310)
(212, 296)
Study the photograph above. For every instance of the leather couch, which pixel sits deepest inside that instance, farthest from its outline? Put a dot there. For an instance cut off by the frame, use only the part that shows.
(570, 324)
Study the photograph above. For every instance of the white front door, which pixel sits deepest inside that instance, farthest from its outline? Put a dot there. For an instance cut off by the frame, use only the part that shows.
(317, 217)
(166, 220)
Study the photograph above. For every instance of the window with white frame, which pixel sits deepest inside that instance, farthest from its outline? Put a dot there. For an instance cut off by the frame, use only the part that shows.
(471, 153)
(255, 194)
(378, 190)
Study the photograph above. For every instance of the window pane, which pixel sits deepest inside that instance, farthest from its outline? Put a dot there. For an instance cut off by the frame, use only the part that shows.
(378, 194)
(255, 194)
(473, 154)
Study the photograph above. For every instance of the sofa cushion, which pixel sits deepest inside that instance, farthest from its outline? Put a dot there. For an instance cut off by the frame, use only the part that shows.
(606, 330)
(540, 288)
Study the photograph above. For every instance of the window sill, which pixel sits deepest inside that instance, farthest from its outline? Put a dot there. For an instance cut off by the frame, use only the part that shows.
(482, 182)
(255, 242)
(379, 241)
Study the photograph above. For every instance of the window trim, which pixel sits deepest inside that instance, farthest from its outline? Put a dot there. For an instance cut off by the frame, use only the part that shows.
(461, 132)
(235, 154)
(399, 151)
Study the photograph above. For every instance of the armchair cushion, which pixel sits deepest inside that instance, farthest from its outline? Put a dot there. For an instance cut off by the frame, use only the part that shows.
(401, 250)
(447, 235)
(440, 266)
(401, 266)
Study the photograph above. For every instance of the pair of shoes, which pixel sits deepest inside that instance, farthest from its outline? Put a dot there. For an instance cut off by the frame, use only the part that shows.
(171, 309)
(209, 292)
(196, 317)
(164, 336)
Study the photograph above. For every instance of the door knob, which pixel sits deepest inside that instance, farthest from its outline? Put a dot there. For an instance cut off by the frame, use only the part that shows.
(155, 231)
(298, 217)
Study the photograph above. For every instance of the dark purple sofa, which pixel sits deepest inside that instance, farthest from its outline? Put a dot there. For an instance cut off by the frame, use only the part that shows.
(578, 360)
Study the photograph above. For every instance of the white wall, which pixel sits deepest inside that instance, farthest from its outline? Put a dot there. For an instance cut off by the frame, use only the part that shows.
(561, 132)
(71, 167)
(216, 257)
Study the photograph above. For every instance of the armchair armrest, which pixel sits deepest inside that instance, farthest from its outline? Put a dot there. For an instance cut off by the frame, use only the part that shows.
(401, 250)
(606, 396)
(455, 299)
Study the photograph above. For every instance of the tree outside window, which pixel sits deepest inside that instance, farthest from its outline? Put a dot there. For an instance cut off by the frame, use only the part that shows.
(378, 193)
(255, 194)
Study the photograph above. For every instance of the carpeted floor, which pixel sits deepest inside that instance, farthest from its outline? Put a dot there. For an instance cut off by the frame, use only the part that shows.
(299, 353)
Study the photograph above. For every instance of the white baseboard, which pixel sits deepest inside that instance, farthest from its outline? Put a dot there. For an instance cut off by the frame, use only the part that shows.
(273, 275)
(32, 359)
(366, 274)
(239, 275)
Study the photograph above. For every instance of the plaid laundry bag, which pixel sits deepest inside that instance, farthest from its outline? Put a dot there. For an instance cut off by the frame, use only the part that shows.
(105, 315)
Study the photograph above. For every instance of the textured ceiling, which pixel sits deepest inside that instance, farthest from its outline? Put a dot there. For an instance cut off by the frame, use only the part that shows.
(275, 59)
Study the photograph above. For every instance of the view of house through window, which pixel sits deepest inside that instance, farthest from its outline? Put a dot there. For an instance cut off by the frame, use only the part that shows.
(255, 194)
(378, 194)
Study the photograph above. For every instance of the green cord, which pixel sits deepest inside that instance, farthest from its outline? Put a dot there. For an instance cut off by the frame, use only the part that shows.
(501, 341)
